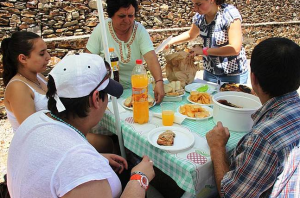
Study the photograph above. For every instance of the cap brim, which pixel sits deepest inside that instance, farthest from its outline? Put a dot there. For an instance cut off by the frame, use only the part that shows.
(114, 88)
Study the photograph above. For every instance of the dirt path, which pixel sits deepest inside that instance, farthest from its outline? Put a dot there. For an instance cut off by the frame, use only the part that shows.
(6, 135)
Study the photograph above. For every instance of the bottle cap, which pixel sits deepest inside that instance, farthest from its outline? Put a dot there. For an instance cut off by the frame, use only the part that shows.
(111, 49)
(139, 61)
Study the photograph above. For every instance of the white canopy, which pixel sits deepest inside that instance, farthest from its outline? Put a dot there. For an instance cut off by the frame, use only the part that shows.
(114, 100)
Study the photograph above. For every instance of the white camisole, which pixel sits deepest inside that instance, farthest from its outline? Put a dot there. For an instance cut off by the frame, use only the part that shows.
(40, 102)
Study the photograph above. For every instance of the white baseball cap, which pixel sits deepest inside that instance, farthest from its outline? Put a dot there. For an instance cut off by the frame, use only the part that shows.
(77, 75)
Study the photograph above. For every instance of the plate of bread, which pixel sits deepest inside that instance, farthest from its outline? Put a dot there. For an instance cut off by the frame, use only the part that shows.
(127, 103)
(195, 111)
(171, 138)
(201, 98)
(173, 89)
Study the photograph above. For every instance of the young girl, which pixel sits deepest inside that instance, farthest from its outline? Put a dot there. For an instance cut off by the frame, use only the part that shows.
(25, 56)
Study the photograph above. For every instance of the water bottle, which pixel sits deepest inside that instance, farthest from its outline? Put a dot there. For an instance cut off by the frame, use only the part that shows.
(114, 59)
(139, 82)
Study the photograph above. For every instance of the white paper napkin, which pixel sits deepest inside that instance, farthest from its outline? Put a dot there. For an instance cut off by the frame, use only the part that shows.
(177, 119)
(111, 109)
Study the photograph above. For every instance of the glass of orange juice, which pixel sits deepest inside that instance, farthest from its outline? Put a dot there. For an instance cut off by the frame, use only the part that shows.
(168, 110)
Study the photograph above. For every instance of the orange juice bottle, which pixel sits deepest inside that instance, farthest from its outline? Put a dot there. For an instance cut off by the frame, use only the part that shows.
(139, 82)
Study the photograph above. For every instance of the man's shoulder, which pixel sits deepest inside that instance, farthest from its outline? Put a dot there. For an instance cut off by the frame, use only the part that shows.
(280, 124)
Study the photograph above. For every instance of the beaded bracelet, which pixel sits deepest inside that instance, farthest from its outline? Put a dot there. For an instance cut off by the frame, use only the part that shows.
(159, 80)
(204, 51)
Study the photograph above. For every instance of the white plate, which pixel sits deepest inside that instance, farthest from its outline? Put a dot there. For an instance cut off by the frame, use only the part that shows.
(188, 99)
(130, 108)
(163, 44)
(175, 96)
(210, 110)
(194, 86)
(184, 138)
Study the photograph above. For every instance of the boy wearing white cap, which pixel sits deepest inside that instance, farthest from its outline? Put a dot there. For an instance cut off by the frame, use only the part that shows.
(55, 159)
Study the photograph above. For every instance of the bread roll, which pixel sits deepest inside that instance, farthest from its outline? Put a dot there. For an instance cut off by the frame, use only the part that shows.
(150, 101)
(168, 88)
(173, 85)
(177, 85)
(128, 102)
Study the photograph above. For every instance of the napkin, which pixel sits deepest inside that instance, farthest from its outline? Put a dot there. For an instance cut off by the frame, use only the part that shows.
(111, 109)
(177, 119)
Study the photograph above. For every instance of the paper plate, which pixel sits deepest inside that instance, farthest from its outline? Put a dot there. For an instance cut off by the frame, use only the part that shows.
(210, 110)
(163, 44)
(184, 138)
(130, 108)
(194, 86)
(175, 96)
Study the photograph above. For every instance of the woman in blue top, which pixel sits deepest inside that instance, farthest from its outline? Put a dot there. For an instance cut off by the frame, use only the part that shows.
(219, 25)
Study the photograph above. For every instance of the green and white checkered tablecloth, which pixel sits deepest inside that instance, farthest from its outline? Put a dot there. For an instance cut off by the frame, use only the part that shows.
(191, 169)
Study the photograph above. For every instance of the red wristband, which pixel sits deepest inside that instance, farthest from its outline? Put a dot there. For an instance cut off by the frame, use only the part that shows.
(204, 51)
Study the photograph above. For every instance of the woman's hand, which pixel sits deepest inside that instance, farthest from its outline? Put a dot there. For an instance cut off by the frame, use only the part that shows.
(146, 167)
(117, 162)
(159, 91)
(197, 50)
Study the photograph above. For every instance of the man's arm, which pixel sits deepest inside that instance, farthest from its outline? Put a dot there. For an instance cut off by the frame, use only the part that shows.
(217, 139)
(220, 164)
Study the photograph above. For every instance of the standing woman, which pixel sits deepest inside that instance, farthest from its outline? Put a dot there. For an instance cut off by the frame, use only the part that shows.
(219, 25)
(130, 40)
(25, 56)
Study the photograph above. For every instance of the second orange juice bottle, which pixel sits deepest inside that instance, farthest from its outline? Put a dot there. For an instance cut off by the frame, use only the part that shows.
(139, 81)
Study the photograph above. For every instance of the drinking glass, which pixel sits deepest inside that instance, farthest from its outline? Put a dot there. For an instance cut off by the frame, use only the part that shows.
(168, 110)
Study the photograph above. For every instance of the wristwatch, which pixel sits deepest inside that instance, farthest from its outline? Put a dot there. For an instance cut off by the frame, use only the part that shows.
(141, 178)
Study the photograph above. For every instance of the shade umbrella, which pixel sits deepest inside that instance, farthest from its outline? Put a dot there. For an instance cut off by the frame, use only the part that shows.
(114, 100)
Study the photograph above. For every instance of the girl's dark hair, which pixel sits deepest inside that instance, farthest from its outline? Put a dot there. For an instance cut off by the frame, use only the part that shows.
(11, 48)
(75, 107)
(219, 2)
(114, 5)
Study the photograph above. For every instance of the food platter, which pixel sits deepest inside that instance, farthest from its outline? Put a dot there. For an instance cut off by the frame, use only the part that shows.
(236, 87)
(131, 108)
(209, 109)
(194, 86)
(188, 99)
(184, 138)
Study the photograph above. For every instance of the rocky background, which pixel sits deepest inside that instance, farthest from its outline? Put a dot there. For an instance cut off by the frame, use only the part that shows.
(66, 25)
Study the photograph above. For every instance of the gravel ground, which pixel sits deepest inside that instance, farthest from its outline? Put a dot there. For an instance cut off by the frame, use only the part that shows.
(6, 135)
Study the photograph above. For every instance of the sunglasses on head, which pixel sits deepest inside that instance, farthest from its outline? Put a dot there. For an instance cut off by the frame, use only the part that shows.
(107, 76)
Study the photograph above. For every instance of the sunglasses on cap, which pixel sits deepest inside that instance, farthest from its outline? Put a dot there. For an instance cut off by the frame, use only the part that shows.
(107, 76)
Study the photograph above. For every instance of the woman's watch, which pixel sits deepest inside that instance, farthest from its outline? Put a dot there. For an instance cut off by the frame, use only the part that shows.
(141, 178)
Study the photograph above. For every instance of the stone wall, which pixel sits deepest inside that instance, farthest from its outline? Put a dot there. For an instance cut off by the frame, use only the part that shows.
(66, 25)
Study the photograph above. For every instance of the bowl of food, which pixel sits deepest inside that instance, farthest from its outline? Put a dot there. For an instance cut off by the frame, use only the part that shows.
(234, 110)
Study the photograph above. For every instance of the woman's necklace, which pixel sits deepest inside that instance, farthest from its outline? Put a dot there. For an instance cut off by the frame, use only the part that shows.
(36, 83)
(120, 43)
(59, 119)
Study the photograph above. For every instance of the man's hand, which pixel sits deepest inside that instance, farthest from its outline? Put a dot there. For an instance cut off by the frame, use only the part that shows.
(218, 136)
(159, 91)
(117, 162)
(146, 167)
